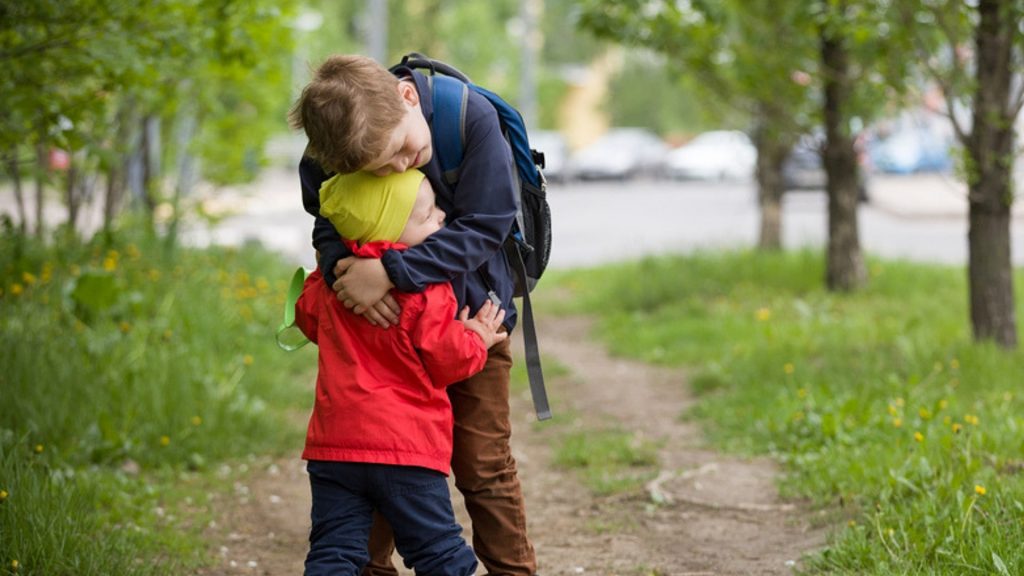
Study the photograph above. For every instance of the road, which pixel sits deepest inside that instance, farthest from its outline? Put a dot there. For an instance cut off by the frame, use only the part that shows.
(919, 218)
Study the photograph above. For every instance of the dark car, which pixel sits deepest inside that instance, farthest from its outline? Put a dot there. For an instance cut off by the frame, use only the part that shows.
(804, 169)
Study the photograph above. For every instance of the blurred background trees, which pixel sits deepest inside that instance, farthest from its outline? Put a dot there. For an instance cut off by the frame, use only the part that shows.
(122, 104)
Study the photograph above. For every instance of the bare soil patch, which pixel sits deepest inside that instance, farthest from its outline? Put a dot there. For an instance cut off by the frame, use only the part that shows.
(716, 514)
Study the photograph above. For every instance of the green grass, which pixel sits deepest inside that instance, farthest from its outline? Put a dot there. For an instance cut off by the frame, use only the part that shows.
(127, 370)
(610, 461)
(878, 402)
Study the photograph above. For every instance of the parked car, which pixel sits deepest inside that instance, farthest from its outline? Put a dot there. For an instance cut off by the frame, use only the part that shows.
(912, 150)
(716, 155)
(805, 170)
(556, 153)
(621, 154)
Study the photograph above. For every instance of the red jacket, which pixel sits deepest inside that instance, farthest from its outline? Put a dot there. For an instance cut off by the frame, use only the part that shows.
(380, 394)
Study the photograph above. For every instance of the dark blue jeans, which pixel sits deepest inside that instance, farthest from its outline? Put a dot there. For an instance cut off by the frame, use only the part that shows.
(414, 500)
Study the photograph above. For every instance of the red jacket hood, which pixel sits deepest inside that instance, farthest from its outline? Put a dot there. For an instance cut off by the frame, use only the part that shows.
(373, 249)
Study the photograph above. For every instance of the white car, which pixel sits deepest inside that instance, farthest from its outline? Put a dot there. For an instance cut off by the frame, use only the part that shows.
(621, 154)
(556, 153)
(717, 155)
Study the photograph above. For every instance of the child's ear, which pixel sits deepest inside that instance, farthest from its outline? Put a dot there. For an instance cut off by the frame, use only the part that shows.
(408, 92)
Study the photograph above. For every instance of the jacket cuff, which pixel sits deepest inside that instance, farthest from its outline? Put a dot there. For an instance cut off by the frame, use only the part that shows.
(397, 272)
(329, 256)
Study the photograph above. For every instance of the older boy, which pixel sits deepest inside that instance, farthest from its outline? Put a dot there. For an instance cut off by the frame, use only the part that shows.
(358, 116)
(380, 435)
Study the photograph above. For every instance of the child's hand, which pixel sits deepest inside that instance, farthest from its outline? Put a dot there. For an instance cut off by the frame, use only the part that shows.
(363, 286)
(486, 323)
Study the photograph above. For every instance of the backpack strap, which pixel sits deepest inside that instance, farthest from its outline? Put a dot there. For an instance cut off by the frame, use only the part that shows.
(532, 350)
(449, 96)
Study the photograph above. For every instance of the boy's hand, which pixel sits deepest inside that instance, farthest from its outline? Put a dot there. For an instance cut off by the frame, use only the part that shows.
(363, 286)
(486, 323)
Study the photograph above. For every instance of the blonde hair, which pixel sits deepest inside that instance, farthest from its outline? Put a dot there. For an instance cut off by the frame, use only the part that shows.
(348, 111)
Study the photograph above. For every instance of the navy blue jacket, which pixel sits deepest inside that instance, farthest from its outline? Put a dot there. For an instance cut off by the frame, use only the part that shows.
(480, 211)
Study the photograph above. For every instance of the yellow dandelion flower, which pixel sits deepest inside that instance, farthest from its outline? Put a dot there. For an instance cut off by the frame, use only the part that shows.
(109, 264)
(28, 278)
(788, 368)
(75, 270)
(918, 437)
(3, 495)
(168, 334)
(897, 422)
(38, 449)
(16, 289)
(248, 360)
(124, 327)
(892, 410)
(954, 364)
(851, 523)
(133, 251)
(165, 440)
(947, 420)
(15, 565)
(957, 428)
(890, 532)
(979, 490)
(798, 417)
(154, 275)
(925, 414)
(763, 314)
(900, 402)
(196, 420)
(802, 393)
(943, 404)
(971, 419)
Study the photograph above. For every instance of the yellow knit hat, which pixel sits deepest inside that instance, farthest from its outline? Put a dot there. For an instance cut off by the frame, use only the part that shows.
(368, 208)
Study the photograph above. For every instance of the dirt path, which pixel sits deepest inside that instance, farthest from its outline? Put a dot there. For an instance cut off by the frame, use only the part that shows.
(719, 515)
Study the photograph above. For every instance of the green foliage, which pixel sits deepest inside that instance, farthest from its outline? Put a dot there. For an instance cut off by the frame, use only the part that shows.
(83, 75)
(124, 366)
(645, 94)
(878, 403)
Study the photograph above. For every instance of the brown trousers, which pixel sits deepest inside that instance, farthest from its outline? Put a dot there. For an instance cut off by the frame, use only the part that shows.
(485, 474)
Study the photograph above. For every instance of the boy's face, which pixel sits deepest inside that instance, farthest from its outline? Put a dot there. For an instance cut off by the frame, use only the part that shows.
(410, 145)
(425, 219)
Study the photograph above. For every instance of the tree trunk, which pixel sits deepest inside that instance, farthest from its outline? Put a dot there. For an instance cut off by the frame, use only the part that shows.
(771, 153)
(117, 170)
(150, 145)
(188, 169)
(990, 145)
(19, 196)
(845, 268)
(73, 193)
(42, 167)
(115, 191)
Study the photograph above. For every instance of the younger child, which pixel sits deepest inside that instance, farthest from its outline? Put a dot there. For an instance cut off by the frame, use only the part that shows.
(380, 436)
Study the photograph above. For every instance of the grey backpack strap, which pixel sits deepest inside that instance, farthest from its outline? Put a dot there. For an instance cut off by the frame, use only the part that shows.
(533, 368)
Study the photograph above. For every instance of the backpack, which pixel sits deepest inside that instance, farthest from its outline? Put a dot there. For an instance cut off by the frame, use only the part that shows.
(528, 246)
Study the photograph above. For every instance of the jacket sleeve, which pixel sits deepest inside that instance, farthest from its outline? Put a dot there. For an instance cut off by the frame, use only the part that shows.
(483, 206)
(449, 351)
(326, 239)
(308, 306)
